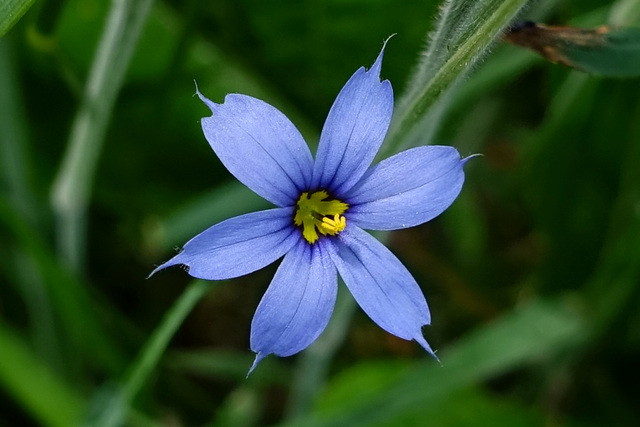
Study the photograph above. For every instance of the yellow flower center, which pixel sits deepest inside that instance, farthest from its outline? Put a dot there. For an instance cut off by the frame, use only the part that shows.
(316, 214)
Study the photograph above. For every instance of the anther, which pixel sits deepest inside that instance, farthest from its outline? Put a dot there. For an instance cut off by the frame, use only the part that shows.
(335, 225)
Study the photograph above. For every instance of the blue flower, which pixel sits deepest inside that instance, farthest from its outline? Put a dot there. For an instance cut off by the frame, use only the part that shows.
(322, 209)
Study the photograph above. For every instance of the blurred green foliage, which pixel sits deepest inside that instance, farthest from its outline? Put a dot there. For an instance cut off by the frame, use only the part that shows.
(532, 276)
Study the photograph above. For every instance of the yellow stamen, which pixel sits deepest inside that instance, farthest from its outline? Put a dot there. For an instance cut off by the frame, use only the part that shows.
(335, 225)
(316, 214)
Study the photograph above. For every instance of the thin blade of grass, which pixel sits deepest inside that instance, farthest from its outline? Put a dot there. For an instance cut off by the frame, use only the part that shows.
(54, 404)
(114, 411)
(72, 187)
(11, 11)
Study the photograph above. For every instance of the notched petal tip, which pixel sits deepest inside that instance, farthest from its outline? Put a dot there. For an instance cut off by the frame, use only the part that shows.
(173, 261)
(260, 146)
(213, 106)
(354, 130)
(472, 156)
(423, 342)
(377, 65)
(407, 189)
(209, 103)
(258, 359)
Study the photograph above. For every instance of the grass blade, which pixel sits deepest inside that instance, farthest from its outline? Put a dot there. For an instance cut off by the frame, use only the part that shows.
(11, 11)
(72, 188)
(114, 412)
(21, 373)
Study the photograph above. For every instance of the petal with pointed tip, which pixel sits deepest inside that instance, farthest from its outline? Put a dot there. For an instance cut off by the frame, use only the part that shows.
(259, 146)
(298, 303)
(381, 285)
(407, 189)
(239, 245)
(354, 130)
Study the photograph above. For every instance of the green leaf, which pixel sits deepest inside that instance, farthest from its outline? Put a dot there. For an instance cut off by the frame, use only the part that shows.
(11, 11)
(600, 51)
(465, 31)
(31, 383)
(464, 408)
(617, 54)
(475, 408)
(531, 332)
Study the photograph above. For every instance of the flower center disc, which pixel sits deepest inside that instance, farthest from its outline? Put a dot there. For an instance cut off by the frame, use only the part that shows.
(316, 214)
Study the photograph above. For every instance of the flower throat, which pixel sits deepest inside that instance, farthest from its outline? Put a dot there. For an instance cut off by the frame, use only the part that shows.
(316, 214)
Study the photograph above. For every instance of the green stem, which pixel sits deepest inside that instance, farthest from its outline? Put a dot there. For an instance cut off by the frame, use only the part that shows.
(422, 99)
(72, 187)
(148, 359)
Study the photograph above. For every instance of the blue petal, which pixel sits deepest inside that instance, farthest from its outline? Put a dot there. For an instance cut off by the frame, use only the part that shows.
(354, 130)
(259, 146)
(298, 303)
(381, 285)
(407, 189)
(239, 245)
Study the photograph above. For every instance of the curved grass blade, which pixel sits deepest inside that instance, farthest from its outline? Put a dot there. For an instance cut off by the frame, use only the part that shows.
(34, 386)
(72, 187)
(114, 411)
(11, 11)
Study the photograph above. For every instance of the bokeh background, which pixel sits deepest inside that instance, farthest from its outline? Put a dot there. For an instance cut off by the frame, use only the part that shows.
(532, 276)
